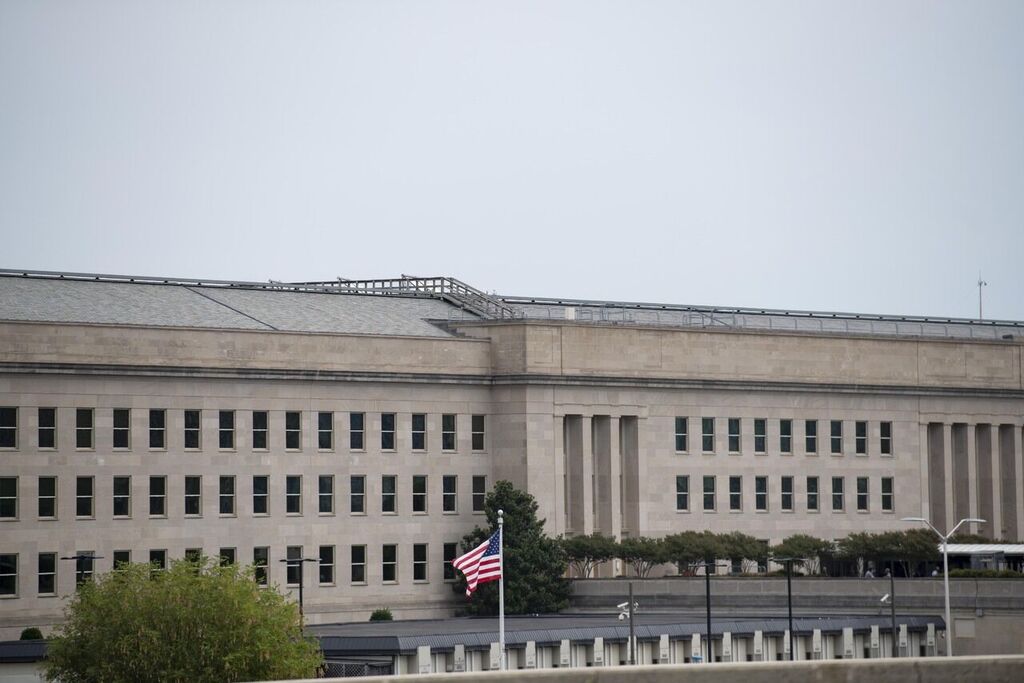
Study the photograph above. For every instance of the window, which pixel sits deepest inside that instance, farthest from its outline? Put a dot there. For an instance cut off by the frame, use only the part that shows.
(448, 441)
(836, 439)
(707, 438)
(760, 435)
(388, 486)
(861, 437)
(226, 495)
(158, 560)
(122, 428)
(325, 431)
(83, 496)
(122, 496)
(226, 429)
(47, 498)
(734, 434)
(193, 496)
(387, 431)
(85, 565)
(326, 565)
(227, 556)
(787, 494)
(862, 494)
(8, 574)
(479, 492)
(325, 494)
(811, 436)
(158, 429)
(192, 430)
(260, 494)
(121, 557)
(293, 573)
(709, 493)
(477, 432)
(292, 430)
(812, 494)
(449, 493)
(358, 564)
(47, 432)
(83, 428)
(193, 555)
(389, 563)
(419, 432)
(355, 431)
(8, 497)
(47, 572)
(451, 551)
(682, 493)
(761, 494)
(419, 493)
(786, 436)
(260, 429)
(885, 441)
(357, 494)
(261, 565)
(8, 427)
(419, 561)
(837, 494)
(887, 494)
(735, 493)
(293, 494)
(158, 496)
(682, 434)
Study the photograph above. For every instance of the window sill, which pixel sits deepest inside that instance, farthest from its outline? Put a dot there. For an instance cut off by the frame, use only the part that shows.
(325, 514)
(389, 514)
(420, 581)
(325, 450)
(358, 583)
(450, 512)
(193, 516)
(682, 512)
(122, 517)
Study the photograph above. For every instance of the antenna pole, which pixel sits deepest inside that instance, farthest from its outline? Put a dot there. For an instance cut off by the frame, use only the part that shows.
(981, 283)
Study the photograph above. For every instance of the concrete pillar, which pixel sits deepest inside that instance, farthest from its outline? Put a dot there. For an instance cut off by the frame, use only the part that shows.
(615, 477)
(727, 646)
(598, 652)
(459, 658)
(495, 658)
(816, 647)
(1019, 480)
(848, 646)
(564, 654)
(423, 663)
(925, 481)
(929, 641)
(988, 480)
(601, 446)
(947, 456)
(560, 522)
(904, 640)
(530, 655)
(663, 649)
(972, 476)
(758, 646)
(787, 644)
(876, 642)
(587, 454)
(696, 653)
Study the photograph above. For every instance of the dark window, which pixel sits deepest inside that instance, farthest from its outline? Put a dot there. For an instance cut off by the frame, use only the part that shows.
(887, 494)
(837, 494)
(158, 560)
(388, 486)
(226, 495)
(707, 434)
(326, 564)
(451, 551)
(293, 494)
(122, 428)
(85, 565)
(479, 492)
(419, 493)
(157, 496)
(8, 574)
(47, 497)
(734, 435)
(836, 437)
(862, 494)
(761, 494)
(861, 437)
(325, 494)
(389, 563)
(226, 429)
(811, 436)
(192, 430)
(8, 497)
(194, 555)
(47, 428)
(735, 493)
(83, 428)
(760, 435)
(157, 429)
(325, 431)
(787, 494)
(448, 432)
(261, 565)
(260, 494)
(357, 494)
(121, 558)
(682, 434)
(682, 493)
(260, 427)
(885, 442)
(419, 561)
(122, 496)
(83, 496)
(292, 430)
(293, 575)
(193, 495)
(8, 427)
(709, 493)
(227, 556)
(812, 493)
(387, 431)
(449, 493)
(355, 431)
(358, 564)
(47, 574)
(785, 436)
(477, 432)
(419, 432)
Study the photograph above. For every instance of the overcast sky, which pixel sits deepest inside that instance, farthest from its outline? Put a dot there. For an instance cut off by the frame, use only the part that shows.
(864, 156)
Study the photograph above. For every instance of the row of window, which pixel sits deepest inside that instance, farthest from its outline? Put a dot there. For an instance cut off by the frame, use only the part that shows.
(734, 430)
(709, 493)
(192, 492)
(47, 564)
(121, 421)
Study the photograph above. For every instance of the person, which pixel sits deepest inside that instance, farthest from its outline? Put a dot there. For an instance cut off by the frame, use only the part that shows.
(935, 572)
(869, 574)
(888, 572)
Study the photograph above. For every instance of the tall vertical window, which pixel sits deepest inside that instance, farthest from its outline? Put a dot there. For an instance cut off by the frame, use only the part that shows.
(862, 494)
(479, 492)
(811, 436)
(325, 494)
(419, 432)
(707, 434)
(260, 427)
(193, 496)
(387, 431)
(158, 496)
(325, 431)
(448, 440)
(47, 503)
(357, 494)
(261, 565)
(83, 428)
(85, 566)
(761, 494)
(358, 564)
(122, 496)
(388, 486)
(760, 435)
(47, 431)
(292, 430)
(887, 494)
(734, 434)
(47, 574)
(812, 494)
(478, 432)
(682, 434)
(293, 573)
(709, 493)
(785, 436)
(356, 424)
(121, 558)
(837, 494)
(83, 496)
(192, 430)
(861, 437)
(8, 427)
(193, 555)
(260, 494)
(389, 563)
(682, 493)
(787, 494)
(735, 493)
(419, 561)
(836, 437)
(419, 493)
(158, 429)
(449, 493)
(885, 442)
(8, 497)
(122, 430)
(226, 429)
(326, 565)
(157, 560)
(227, 556)
(8, 574)
(293, 494)
(450, 551)
(226, 495)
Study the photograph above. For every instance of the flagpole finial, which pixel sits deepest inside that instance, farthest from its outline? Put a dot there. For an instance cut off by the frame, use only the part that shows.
(501, 513)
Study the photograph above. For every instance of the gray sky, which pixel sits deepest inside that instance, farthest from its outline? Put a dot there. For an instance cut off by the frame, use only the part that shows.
(864, 156)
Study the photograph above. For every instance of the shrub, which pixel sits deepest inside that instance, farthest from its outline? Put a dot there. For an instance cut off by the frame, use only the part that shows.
(381, 614)
(31, 633)
(984, 574)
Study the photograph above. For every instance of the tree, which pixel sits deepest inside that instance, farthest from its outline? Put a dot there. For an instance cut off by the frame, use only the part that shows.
(585, 552)
(642, 554)
(196, 621)
(811, 549)
(534, 564)
(748, 550)
(688, 549)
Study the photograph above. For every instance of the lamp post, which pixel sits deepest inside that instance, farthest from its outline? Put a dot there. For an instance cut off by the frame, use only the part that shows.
(80, 559)
(297, 561)
(628, 610)
(707, 603)
(788, 561)
(892, 606)
(945, 567)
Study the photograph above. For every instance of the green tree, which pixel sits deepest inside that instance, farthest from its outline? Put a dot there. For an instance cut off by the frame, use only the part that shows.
(810, 548)
(585, 552)
(748, 550)
(196, 621)
(688, 549)
(643, 554)
(534, 565)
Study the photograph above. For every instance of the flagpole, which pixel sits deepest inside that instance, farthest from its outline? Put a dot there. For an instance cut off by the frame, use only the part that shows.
(501, 587)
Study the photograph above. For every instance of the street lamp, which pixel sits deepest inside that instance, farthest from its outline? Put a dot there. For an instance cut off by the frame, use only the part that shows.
(297, 561)
(788, 561)
(80, 561)
(891, 599)
(707, 602)
(628, 610)
(945, 567)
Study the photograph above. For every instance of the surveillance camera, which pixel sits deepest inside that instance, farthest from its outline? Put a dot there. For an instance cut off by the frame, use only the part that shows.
(623, 605)
(622, 616)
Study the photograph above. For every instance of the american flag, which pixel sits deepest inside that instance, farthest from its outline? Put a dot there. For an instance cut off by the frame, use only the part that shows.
(481, 564)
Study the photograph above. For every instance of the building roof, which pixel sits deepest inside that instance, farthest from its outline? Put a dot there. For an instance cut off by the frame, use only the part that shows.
(14, 651)
(985, 548)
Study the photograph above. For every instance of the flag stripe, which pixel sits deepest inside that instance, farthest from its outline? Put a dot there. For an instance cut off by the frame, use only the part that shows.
(481, 564)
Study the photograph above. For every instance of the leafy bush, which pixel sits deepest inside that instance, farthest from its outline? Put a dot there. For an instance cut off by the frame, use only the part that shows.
(31, 633)
(381, 614)
(984, 574)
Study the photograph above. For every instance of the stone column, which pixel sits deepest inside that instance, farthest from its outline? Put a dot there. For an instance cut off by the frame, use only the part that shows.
(615, 476)
(972, 476)
(925, 482)
(560, 523)
(587, 491)
(947, 455)
(1019, 481)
